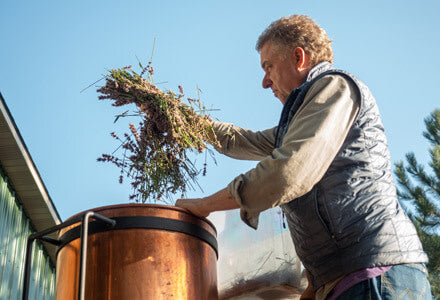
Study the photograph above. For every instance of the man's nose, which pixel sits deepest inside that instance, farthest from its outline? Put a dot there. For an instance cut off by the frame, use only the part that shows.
(267, 83)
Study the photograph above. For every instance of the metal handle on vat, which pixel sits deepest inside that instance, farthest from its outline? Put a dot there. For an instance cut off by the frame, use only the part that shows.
(42, 235)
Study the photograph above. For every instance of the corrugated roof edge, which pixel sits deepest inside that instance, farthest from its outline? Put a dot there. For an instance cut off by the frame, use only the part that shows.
(47, 206)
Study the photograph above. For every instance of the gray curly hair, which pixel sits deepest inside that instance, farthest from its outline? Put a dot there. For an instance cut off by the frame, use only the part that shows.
(299, 31)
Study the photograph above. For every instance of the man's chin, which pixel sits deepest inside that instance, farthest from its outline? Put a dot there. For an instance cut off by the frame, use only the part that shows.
(279, 97)
(282, 99)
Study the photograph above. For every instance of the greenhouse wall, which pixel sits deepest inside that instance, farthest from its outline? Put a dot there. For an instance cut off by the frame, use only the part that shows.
(15, 228)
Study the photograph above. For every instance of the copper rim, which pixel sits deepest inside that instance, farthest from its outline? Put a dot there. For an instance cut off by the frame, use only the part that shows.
(131, 205)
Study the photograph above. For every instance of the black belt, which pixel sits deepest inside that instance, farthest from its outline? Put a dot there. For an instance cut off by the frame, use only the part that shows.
(143, 222)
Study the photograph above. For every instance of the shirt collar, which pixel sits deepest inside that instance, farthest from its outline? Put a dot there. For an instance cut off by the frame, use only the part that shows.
(319, 69)
(313, 73)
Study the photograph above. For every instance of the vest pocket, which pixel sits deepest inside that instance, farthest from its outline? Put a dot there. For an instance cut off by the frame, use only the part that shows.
(322, 213)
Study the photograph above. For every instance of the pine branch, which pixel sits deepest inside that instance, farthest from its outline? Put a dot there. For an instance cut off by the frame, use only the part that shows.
(435, 165)
(432, 124)
(419, 173)
(403, 180)
(426, 216)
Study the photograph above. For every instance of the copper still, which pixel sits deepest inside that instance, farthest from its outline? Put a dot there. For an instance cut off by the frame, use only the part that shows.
(153, 252)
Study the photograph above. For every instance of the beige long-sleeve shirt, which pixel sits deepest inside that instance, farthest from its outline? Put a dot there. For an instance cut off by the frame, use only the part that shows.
(314, 137)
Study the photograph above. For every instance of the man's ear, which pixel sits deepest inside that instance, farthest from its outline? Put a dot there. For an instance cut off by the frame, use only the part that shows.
(301, 59)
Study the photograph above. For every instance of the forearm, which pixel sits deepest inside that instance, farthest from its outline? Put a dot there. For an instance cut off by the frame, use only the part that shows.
(219, 201)
(240, 143)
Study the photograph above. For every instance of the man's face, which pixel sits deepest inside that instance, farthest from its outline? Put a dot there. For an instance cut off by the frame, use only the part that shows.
(280, 68)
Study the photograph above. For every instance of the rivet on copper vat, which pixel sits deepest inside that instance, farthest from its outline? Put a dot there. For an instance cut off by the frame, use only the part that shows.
(153, 252)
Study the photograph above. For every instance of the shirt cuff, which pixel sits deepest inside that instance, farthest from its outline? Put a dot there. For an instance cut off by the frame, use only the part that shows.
(223, 132)
(250, 219)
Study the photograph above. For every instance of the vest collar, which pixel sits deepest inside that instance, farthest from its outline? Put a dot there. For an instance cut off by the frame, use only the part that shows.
(295, 99)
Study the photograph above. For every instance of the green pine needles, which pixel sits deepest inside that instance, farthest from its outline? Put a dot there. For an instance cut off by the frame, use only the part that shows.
(422, 190)
(154, 154)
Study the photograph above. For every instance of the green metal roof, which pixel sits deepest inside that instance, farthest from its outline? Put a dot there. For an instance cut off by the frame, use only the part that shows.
(24, 177)
(15, 227)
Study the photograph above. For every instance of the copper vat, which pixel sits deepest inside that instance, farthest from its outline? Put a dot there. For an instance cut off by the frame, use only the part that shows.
(136, 262)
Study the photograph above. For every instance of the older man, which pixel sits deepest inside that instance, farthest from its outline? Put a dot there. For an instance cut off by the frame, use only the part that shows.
(327, 166)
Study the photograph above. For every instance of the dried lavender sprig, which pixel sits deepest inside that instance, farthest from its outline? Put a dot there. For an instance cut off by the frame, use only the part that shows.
(157, 162)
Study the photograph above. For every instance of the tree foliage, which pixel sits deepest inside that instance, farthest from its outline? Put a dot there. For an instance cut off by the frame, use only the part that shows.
(421, 189)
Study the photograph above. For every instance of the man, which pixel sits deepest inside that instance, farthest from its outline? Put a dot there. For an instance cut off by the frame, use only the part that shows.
(327, 166)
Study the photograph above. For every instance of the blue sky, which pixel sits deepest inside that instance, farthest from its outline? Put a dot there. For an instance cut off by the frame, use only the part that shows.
(51, 50)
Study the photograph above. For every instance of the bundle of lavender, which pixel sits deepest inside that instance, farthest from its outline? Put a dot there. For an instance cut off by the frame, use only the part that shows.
(154, 155)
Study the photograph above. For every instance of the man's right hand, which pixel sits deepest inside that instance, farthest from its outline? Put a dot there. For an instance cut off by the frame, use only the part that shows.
(309, 293)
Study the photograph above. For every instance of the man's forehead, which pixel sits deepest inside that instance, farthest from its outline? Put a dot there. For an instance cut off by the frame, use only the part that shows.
(267, 47)
(265, 52)
(272, 51)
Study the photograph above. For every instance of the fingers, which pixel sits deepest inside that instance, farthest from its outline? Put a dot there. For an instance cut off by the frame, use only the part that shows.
(193, 205)
(180, 203)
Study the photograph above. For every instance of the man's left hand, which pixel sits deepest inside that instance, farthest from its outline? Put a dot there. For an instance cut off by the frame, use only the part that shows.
(195, 206)
(202, 207)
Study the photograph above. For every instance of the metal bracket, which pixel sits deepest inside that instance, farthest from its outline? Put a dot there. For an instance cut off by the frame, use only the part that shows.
(42, 235)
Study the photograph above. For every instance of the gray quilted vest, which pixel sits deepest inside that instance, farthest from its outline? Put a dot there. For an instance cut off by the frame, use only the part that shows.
(351, 218)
